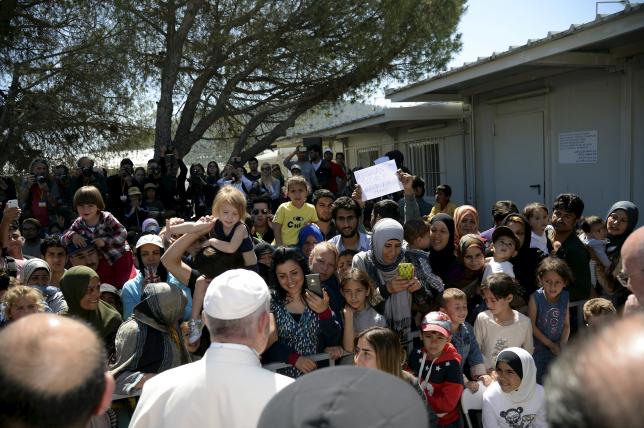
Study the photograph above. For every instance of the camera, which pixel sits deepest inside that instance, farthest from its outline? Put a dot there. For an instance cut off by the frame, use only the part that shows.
(40, 179)
(88, 172)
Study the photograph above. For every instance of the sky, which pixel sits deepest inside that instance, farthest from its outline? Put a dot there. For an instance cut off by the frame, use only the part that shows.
(489, 26)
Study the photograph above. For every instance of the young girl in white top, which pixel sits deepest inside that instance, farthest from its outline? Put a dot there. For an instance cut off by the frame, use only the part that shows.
(515, 400)
(500, 326)
(537, 215)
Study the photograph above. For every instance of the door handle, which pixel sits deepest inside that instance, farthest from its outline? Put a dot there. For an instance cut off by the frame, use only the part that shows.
(536, 186)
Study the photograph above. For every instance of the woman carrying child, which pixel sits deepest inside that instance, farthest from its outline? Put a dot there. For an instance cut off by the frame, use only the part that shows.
(381, 264)
(304, 321)
(548, 312)
(515, 400)
(620, 223)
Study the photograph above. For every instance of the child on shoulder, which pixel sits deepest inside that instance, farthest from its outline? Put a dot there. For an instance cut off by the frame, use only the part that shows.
(548, 311)
(228, 234)
(500, 326)
(438, 367)
(505, 245)
(291, 216)
(96, 226)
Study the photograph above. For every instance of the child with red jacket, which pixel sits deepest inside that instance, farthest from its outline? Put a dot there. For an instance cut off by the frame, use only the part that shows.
(438, 367)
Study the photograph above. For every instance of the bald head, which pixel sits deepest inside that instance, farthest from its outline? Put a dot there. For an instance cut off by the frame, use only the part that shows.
(632, 257)
(599, 381)
(54, 367)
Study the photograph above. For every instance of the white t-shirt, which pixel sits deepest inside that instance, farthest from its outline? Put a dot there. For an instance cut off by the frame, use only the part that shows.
(497, 267)
(493, 337)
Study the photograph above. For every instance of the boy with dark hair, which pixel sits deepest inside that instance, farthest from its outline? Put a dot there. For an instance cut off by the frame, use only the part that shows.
(443, 203)
(417, 234)
(385, 209)
(500, 210)
(323, 203)
(438, 367)
(55, 254)
(566, 211)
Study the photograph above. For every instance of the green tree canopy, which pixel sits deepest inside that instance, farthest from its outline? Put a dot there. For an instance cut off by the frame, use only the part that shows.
(249, 68)
(66, 83)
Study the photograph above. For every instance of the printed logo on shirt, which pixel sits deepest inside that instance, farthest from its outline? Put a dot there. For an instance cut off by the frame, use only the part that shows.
(293, 225)
(515, 419)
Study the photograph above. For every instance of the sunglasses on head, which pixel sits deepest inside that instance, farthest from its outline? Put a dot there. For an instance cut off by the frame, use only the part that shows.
(257, 211)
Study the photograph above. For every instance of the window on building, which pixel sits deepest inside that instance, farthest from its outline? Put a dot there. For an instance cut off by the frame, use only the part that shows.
(367, 156)
(423, 160)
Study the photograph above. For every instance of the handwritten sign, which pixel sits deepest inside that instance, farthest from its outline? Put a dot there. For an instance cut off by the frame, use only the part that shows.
(378, 180)
(578, 147)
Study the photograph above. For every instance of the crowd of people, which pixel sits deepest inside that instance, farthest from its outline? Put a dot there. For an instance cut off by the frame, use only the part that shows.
(188, 283)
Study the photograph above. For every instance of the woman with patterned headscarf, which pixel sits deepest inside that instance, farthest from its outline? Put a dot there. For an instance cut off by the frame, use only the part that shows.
(150, 342)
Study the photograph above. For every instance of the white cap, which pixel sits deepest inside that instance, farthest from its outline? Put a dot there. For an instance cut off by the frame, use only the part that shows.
(235, 294)
(150, 239)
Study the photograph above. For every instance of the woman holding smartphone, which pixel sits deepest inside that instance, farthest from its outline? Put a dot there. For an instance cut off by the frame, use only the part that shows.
(381, 263)
(304, 322)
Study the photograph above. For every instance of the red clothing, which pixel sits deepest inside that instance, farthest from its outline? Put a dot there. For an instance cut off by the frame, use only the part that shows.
(117, 273)
(445, 384)
(336, 171)
(39, 208)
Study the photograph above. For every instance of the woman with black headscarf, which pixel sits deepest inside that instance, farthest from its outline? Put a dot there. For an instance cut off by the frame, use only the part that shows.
(150, 342)
(81, 287)
(441, 245)
(620, 223)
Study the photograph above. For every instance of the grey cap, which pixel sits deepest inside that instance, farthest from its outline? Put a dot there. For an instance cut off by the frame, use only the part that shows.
(346, 396)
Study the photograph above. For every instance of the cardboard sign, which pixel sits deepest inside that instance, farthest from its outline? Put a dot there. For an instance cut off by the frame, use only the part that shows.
(378, 180)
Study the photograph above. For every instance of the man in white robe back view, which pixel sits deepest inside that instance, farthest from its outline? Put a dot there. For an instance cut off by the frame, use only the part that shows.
(227, 388)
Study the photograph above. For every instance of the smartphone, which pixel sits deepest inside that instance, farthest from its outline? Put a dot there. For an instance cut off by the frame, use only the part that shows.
(406, 270)
(12, 203)
(313, 284)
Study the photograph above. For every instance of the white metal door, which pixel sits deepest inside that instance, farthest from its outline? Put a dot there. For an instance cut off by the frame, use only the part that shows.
(519, 158)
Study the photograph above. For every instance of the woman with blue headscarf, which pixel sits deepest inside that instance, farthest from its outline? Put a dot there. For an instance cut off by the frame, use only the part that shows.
(308, 237)
(620, 223)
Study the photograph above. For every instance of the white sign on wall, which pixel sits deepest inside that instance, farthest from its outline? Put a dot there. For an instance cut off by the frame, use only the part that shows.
(578, 147)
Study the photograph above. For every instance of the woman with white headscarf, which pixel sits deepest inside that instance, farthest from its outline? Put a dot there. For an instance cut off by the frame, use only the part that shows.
(381, 264)
(515, 400)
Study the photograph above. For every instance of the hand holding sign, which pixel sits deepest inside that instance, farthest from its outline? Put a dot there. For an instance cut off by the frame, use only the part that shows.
(378, 180)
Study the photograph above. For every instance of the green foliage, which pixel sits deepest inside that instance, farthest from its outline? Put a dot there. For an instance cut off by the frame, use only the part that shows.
(65, 82)
(249, 68)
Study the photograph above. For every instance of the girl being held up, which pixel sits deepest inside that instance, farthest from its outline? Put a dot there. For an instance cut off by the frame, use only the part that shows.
(100, 228)
(548, 311)
(228, 234)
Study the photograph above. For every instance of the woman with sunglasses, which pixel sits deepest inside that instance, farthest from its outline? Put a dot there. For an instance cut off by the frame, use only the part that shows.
(269, 186)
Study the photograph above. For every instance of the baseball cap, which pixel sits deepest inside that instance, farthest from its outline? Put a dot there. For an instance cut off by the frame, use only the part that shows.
(150, 239)
(235, 294)
(134, 190)
(149, 186)
(437, 321)
(296, 166)
(150, 225)
(109, 288)
(506, 231)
